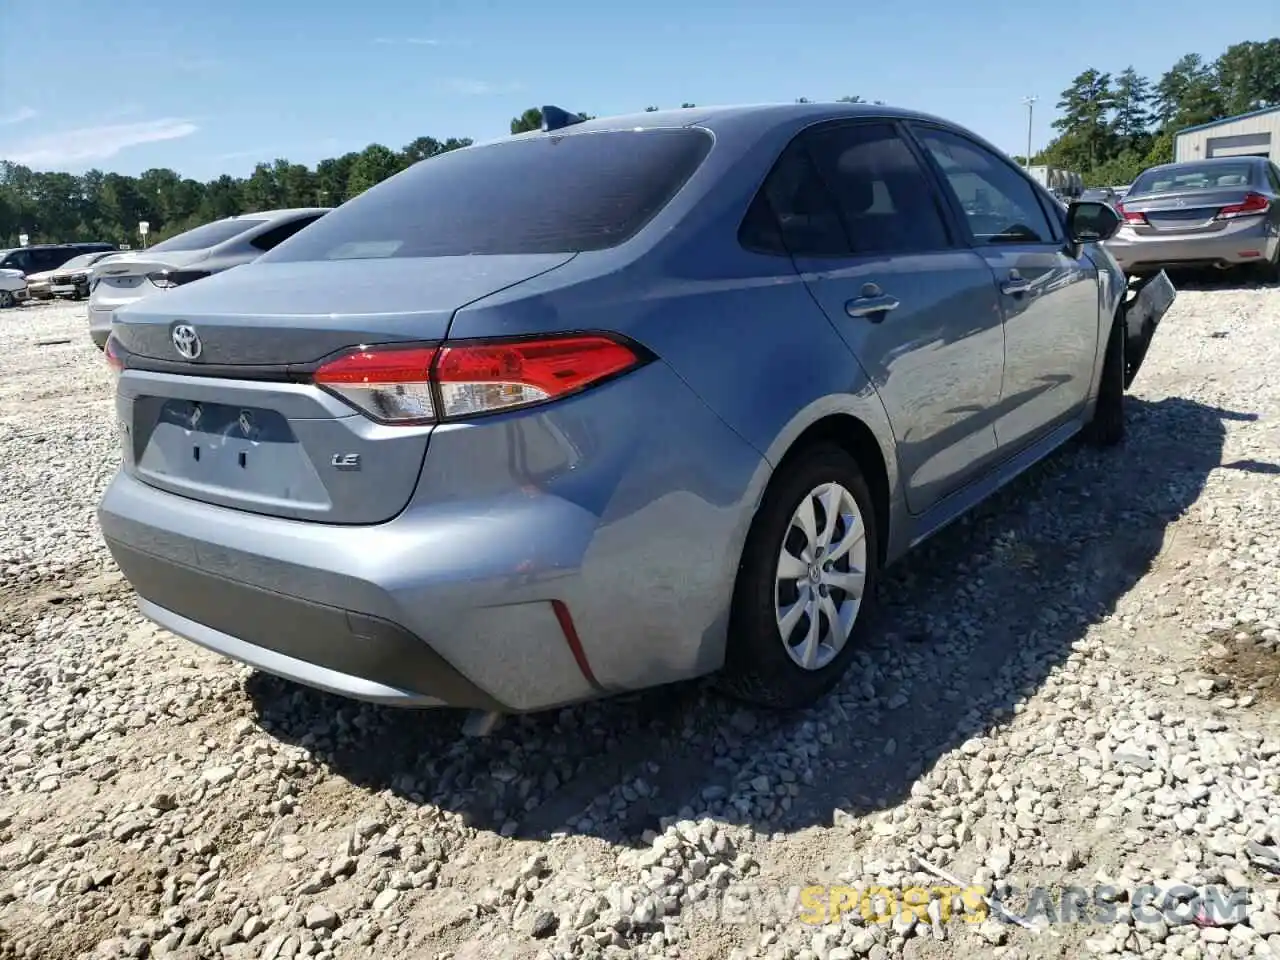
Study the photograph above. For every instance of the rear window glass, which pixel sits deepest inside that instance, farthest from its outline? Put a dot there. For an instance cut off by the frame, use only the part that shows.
(207, 235)
(1193, 176)
(574, 193)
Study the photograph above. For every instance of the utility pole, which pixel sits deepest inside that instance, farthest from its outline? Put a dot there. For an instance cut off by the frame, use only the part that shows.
(1031, 104)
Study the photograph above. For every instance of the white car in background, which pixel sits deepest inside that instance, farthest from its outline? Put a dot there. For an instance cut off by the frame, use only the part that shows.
(13, 288)
(198, 253)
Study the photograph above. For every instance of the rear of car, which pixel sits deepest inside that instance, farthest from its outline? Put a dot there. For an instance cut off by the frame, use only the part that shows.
(13, 288)
(38, 285)
(1219, 213)
(398, 457)
(71, 280)
(193, 255)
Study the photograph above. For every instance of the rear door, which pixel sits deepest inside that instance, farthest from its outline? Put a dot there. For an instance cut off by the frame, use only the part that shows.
(862, 219)
(1048, 296)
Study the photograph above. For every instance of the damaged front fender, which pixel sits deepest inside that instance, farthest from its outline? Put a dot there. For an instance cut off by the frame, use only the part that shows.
(1147, 301)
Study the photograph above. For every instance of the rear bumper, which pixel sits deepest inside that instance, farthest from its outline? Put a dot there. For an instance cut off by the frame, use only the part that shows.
(315, 644)
(1238, 245)
(331, 607)
(544, 559)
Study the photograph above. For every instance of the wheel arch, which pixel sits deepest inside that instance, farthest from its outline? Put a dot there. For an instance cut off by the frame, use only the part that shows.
(852, 435)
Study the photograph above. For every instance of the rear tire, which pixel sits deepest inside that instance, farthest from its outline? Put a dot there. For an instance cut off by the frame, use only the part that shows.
(1268, 271)
(1106, 429)
(813, 535)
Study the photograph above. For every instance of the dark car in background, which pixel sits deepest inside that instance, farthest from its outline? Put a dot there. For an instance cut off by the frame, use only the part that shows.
(39, 257)
(69, 280)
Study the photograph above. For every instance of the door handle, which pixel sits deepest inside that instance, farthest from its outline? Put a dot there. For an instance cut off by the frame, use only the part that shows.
(1015, 286)
(872, 303)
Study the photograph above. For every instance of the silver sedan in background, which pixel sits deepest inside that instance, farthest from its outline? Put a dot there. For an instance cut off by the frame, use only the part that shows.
(1222, 213)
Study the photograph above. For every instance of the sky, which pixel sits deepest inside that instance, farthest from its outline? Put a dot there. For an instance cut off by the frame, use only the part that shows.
(213, 88)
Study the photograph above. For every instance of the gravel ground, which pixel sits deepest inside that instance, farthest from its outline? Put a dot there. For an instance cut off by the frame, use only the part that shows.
(1074, 691)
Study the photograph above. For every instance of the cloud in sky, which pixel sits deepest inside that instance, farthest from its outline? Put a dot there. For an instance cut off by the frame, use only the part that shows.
(18, 116)
(411, 41)
(480, 88)
(89, 144)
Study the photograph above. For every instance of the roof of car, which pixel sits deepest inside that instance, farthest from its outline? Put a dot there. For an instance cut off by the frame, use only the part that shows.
(273, 214)
(763, 114)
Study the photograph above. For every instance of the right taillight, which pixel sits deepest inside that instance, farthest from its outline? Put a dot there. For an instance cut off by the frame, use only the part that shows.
(425, 384)
(1253, 205)
(1130, 216)
(167, 279)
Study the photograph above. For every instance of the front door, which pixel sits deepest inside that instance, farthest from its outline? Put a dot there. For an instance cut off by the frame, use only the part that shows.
(917, 309)
(1048, 295)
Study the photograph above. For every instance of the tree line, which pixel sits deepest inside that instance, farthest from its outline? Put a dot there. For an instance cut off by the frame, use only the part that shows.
(1111, 127)
(60, 207)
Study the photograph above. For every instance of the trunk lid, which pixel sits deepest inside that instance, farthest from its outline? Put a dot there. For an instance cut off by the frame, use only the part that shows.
(239, 427)
(1188, 211)
(286, 313)
(123, 279)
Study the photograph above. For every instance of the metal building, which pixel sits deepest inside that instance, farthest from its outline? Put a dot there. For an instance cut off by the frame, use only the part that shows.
(1255, 134)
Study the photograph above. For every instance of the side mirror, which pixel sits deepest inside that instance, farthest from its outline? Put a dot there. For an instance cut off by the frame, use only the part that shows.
(1089, 221)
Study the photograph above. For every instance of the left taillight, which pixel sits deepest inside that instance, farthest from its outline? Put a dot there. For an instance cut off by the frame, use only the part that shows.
(426, 384)
(114, 361)
(1254, 204)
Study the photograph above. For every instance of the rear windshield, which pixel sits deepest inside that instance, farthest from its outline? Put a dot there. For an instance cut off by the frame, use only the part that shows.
(1193, 176)
(207, 235)
(574, 193)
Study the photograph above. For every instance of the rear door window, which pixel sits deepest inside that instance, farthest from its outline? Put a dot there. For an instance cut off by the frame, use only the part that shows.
(884, 196)
(542, 194)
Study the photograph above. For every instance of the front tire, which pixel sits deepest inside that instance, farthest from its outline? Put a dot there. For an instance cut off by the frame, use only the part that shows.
(808, 572)
(1106, 429)
(7, 300)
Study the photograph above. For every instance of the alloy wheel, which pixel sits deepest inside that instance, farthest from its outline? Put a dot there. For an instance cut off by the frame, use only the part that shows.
(821, 575)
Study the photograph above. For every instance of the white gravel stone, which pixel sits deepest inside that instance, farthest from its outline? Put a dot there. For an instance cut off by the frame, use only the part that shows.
(1024, 717)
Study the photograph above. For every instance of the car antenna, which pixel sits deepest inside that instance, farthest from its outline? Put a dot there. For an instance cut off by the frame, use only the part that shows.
(555, 118)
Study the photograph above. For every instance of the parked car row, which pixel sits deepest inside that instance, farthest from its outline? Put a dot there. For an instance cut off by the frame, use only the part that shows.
(27, 272)
(198, 253)
(601, 407)
(71, 280)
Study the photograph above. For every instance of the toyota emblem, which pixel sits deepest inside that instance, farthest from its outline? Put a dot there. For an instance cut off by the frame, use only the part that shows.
(186, 341)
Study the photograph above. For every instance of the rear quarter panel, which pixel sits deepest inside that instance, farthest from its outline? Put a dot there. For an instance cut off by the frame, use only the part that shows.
(739, 329)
